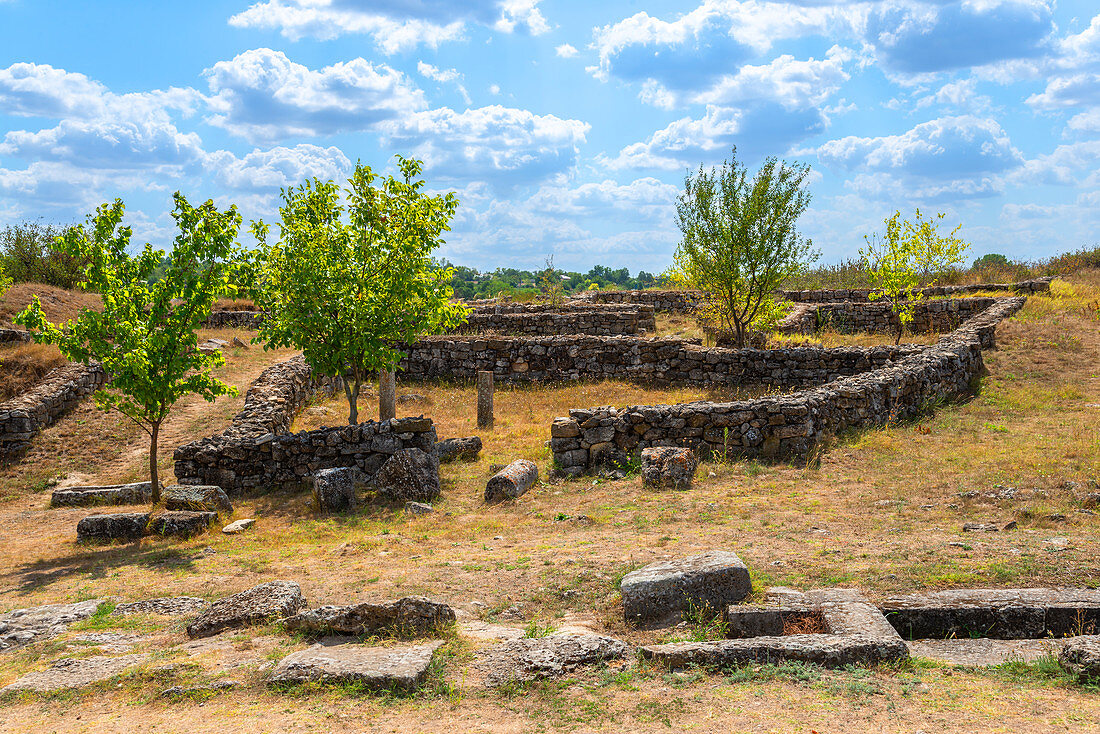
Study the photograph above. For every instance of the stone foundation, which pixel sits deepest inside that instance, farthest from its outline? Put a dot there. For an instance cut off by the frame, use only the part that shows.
(258, 451)
(940, 315)
(788, 425)
(22, 417)
(543, 320)
(859, 295)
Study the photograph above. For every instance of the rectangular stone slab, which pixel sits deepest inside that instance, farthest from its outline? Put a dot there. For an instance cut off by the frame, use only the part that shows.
(378, 668)
(831, 651)
(661, 592)
(73, 673)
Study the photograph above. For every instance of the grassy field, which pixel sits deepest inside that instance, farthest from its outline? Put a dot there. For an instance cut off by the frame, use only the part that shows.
(883, 511)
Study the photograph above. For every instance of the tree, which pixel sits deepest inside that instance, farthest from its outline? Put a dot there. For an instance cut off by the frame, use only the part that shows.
(349, 284)
(145, 335)
(892, 265)
(739, 238)
(550, 284)
(28, 254)
(991, 260)
(933, 253)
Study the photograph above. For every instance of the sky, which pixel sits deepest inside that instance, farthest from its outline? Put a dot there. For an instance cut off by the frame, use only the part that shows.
(566, 127)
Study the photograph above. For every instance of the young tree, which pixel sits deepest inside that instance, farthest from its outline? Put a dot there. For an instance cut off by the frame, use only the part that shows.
(550, 284)
(739, 238)
(145, 335)
(349, 284)
(908, 254)
(933, 253)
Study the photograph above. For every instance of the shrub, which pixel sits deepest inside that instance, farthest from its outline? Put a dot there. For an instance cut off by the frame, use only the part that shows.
(29, 254)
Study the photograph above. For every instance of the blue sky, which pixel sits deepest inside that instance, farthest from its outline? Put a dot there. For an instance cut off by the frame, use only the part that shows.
(565, 127)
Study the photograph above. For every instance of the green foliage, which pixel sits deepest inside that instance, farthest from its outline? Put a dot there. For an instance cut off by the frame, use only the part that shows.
(349, 284)
(898, 261)
(891, 263)
(5, 281)
(990, 260)
(550, 285)
(739, 238)
(29, 254)
(145, 336)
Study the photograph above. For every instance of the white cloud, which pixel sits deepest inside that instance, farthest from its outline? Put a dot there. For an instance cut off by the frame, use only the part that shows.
(142, 143)
(760, 130)
(494, 89)
(1074, 164)
(919, 37)
(786, 80)
(501, 145)
(394, 25)
(263, 95)
(566, 51)
(266, 171)
(712, 40)
(444, 76)
(961, 156)
(1085, 122)
(1076, 90)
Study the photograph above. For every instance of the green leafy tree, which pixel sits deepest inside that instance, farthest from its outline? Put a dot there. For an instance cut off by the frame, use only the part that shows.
(933, 252)
(893, 267)
(28, 254)
(739, 238)
(145, 336)
(348, 284)
(991, 260)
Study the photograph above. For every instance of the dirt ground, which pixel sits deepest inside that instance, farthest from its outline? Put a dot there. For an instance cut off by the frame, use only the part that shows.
(882, 511)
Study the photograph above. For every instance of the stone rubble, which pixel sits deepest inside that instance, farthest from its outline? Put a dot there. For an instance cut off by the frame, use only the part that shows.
(264, 603)
(411, 616)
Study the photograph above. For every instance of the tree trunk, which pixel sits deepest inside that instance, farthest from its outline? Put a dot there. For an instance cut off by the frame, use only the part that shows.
(154, 478)
(387, 395)
(353, 400)
(739, 331)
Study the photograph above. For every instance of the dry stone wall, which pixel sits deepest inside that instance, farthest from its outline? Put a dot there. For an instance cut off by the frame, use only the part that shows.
(22, 417)
(664, 301)
(545, 320)
(234, 320)
(658, 361)
(1024, 287)
(258, 450)
(789, 425)
(940, 315)
(14, 336)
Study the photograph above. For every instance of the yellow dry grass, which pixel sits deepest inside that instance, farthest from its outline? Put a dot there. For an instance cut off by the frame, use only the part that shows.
(883, 512)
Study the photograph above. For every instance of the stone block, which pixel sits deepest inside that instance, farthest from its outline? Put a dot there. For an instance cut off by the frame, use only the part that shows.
(512, 481)
(410, 475)
(668, 466)
(466, 448)
(181, 523)
(335, 490)
(1080, 657)
(118, 526)
(264, 603)
(412, 616)
(198, 498)
(402, 668)
(707, 583)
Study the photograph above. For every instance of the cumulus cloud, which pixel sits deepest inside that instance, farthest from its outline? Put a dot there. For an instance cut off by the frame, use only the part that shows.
(786, 80)
(940, 160)
(917, 37)
(393, 25)
(1076, 90)
(566, 50)
(444, 76)
(141, 143)
(501, 145)
(267, 171)
(263, 95)
(761, 130)
(706, 43)
(1086, 123)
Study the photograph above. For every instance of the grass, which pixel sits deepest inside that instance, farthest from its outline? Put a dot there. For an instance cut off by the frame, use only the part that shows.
(1032, 426)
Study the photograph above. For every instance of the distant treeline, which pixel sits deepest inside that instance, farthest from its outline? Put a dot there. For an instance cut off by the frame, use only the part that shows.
(473, 284)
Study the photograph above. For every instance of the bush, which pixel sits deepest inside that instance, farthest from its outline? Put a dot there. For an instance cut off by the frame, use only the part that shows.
(29, 254)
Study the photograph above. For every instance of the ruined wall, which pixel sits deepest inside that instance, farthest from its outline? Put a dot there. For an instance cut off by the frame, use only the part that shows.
(569, 318)
(788, 425)
(234, 320)
(22, 417)
(14, 336)
(663, 301)
(258, 451)
(1024, 287)
(659, 361)
(940, 315)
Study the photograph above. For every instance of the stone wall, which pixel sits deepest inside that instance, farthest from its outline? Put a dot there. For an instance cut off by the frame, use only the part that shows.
(663, 301)
(940, 315)
(544, 320)
(658, 361)
(234, 320)
(512, 318)
(788, 425)
(14, 336)
(22, 417)
(258, 450)
(1024, 287)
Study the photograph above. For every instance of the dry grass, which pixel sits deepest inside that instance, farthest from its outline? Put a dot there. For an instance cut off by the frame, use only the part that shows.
(880, 512)
(59, 305)
(24, 365)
